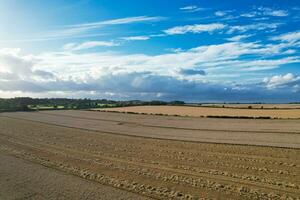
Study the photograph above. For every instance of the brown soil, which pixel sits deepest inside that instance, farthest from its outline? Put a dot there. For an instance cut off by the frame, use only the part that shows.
(39, 159)
(279, 133)
(25, 179)
(210, 111)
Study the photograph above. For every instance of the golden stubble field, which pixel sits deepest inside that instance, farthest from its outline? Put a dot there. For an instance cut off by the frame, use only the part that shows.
(255, 106)
(100, 155)
(284, 111)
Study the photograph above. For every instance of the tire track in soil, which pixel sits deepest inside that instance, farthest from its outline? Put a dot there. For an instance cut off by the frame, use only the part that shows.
(132, 163)
(210, 176)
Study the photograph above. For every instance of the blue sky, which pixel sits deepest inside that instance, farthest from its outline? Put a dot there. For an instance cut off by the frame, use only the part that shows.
(197, 51)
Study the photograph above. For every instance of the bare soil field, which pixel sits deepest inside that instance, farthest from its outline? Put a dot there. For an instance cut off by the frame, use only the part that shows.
(21, 178)
(210, 111)
(42, 159)
(278, 133)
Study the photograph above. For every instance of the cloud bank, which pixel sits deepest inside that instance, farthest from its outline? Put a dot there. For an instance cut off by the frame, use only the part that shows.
(190, 75)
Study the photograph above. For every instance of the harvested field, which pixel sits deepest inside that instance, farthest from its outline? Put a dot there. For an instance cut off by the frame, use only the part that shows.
(279, 133)
(254, 106)
(27, 179)
(90, 155)
(283, 113)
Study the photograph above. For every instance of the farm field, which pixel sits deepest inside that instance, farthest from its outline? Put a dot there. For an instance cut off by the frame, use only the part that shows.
(279, 133)
(254, 106)
(283, 113)
(103, 155)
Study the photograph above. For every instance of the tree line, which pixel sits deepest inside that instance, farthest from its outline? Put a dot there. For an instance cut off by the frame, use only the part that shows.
(28, 104)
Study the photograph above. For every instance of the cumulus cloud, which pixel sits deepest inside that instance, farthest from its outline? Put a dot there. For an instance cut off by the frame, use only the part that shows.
(283, 81)
(146, 85)
(140, 75)
(196, 28)
(88, 45)
(126, 83)
(13, 66)
(135, 84)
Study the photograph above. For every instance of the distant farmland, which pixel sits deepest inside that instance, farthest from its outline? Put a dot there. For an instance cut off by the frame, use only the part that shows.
(254, 105)
(195, 111)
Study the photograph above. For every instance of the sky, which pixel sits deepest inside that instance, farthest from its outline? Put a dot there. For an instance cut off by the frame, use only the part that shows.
(195, 51)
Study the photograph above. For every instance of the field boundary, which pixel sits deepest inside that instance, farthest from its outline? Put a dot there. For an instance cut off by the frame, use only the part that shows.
(200, 116)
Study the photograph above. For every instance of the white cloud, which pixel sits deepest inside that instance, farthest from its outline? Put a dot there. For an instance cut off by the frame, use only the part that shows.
(238, 38)
(288, 37)
(77, 29)
(13, 66)
(257, 27)
(80, 64)
(264, 11)
(273, 12)
(175, 50)
(282, 81)
(199, 28)
(188, 8)
(196, 28)
(84, 66)
(259, 65)
(126, 20)
(138, 75)
(88, 45)
(239, 66)
(130, 38)
(220, 13)
(250, 14)
(191, 8)
(10, 51)
(278, 13)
